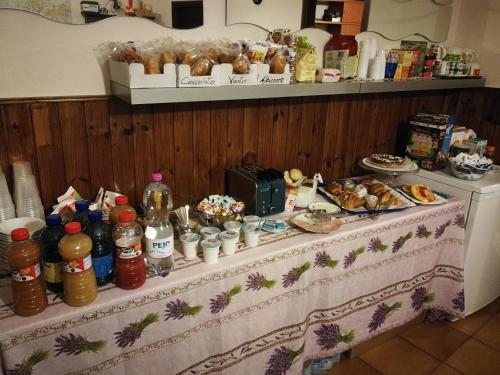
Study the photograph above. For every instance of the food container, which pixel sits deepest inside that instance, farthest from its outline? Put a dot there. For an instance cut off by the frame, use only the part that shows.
(252, 219)
(210, 250)
(468, 172)
(252, 232)
(218, 220)
(234, 226)
(210, 233)
(229, 241)
(190, 245)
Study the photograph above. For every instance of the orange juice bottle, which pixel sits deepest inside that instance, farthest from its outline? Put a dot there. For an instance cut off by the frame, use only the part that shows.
(121, 204)
(80, 287)
(28, 288)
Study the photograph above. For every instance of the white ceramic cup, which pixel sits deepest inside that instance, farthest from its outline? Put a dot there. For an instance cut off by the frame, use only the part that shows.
(251, 231)
(234, 226)
(190, 245)
(229, 241)
(252, 219)
(210, 233)
(210, 250)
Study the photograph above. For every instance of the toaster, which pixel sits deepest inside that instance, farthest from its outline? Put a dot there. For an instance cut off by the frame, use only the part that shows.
(262, 190)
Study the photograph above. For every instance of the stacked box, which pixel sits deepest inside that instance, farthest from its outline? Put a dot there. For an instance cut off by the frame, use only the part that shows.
(429, 139)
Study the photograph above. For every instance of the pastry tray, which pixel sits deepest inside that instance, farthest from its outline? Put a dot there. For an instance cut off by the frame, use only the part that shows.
(405, 202)
(439, 199)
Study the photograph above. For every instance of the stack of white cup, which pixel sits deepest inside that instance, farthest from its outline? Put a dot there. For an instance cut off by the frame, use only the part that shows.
(7, 210)
(28, 202)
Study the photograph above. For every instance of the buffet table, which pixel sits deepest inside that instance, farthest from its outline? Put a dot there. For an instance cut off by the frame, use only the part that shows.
(264, 310)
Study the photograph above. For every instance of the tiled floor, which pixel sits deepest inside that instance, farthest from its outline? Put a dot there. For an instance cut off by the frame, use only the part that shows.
(468, 346)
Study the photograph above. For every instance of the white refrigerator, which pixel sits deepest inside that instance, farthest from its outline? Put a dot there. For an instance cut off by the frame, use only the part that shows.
(482, 231)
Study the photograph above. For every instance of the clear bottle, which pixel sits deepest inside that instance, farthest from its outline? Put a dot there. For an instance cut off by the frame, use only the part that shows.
(159, 233)
(80, 287)
(52, 260)
(121, 204)
(28, 289)
(130, 268)
(82, 213)
(102, 248)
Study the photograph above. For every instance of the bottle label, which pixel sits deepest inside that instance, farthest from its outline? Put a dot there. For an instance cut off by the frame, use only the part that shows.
(160, 247)
(78, 265)
(26, 273)
(103, 266)
(128, 252)
(53, 272)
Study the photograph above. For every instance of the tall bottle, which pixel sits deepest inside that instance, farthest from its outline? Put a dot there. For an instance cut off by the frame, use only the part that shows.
(28, 289)
(102, 247)
(52, 260)
(159, 234)
(130, 268)
(82, 213)
(80, 286)
(121, 204)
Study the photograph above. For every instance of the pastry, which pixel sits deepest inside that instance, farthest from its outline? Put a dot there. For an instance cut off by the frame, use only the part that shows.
(278, 64)
(241, 65)
(151, 66)
(367, 182)
(371, 202)
(168, 57)
(377, 188)
(201, 67)
(423, 193)
(128, 55)
(406, 189)
(385, 198)
(350, 200)
(335, 189)
(386, 161)
(394, 202)
(214, 55)
(361, 191)
(349, 185)
(189, 58)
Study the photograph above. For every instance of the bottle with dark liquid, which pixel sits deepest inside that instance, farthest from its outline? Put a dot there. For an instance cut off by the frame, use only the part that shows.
(102, 248)
(52, 260)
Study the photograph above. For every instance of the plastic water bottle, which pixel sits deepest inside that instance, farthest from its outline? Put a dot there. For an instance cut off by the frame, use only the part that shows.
(159, 233)
(52, 260)
(102, 247)
(82, 213)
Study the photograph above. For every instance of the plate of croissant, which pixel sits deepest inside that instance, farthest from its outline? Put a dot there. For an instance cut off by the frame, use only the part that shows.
(364, 196)
(421, 194)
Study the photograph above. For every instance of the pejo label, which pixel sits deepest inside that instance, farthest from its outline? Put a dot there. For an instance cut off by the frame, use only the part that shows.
(77, 265)
(26, 273)
(128, 252)
(160, 247)
(53, 272)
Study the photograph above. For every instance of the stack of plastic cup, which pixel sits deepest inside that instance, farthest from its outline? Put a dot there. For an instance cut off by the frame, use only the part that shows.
(28, 202)
(7, 210)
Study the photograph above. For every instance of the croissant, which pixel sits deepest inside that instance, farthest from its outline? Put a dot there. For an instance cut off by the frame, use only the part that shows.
(394, 202)
(168, 57)
(201, 67)
(335, 189)
(367, 182)
(350, 201)
(377, 188)
(151, 66)
(385, 197)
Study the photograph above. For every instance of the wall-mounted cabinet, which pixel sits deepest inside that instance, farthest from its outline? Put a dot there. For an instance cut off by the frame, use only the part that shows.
(334, 16)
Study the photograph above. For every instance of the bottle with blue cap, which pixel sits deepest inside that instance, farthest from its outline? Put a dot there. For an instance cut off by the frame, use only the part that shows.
(51, 259)
(82, 213)
(102, 247)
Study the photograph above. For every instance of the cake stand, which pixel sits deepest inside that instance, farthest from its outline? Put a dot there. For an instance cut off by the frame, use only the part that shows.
(408, 167)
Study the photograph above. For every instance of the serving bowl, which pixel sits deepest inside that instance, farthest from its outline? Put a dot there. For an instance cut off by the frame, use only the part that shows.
(218, 220)
(468, 172)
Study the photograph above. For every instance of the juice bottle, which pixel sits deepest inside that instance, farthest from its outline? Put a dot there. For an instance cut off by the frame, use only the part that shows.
(121, 204)
(130, 268)
(82, 213)
(102, 247)
(28, 289)
(52, 260)
(80, 286)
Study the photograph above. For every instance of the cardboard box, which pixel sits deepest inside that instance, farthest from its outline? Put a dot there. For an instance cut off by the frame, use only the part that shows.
(266, 78)
(429, 139)
(230, 79)
(133, 75)
(185, 79)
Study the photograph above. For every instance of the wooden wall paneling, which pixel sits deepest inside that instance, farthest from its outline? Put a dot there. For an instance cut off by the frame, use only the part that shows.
(251, 128)
(144, 147)
(318, 135)
(4, 154)
(99, 145)
(407, 106)
(265, 134)
(340, 116)
(18, 128)
(218, 146)
(235, 129)
(201, 149)
(388, 134)
(490, 125)
(164, 150)
(450, 102)
(74, 147)
(306, 136)
(376, 124)
(122, 148)
(354, 136)
(279, 133)
(49, 153)
(183, 138)
(292, 135)
(470, 108)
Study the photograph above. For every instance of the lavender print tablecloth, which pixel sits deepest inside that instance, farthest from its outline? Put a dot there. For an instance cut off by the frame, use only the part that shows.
(262, 311)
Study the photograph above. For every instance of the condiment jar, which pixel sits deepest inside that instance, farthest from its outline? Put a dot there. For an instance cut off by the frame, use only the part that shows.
(28, 287)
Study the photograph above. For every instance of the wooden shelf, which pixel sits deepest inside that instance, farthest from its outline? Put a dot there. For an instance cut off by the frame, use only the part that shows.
(180, 95)
(327, 22)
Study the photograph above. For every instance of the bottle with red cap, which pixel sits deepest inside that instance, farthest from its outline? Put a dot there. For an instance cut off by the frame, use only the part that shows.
(80, 287)
(121, 205)
(28, 288)
(130, 269)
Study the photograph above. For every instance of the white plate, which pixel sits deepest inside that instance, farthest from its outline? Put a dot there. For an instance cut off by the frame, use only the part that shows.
(439, 199)
(276, 221)
(408, 166)
(330, 208)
